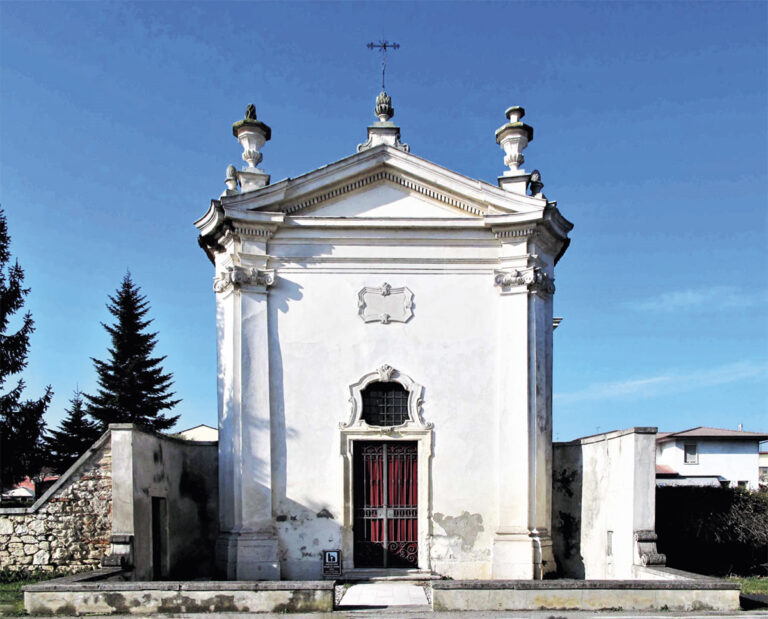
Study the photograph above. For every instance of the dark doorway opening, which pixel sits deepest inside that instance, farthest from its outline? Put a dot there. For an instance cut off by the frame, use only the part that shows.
(159, 538)
(385, 478)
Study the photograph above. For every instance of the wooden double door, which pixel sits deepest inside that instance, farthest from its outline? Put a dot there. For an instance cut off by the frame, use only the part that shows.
(385, 478)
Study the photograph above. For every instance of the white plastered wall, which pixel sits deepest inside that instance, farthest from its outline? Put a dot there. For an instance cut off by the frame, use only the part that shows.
(604, 494)
(320, 346)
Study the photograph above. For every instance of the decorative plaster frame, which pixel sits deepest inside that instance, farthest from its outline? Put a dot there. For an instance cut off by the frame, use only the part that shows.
(414, 429)
(385, 290)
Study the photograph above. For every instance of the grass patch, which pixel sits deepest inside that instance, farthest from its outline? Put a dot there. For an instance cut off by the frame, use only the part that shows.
(752, 584)
(11, 595)
(12, 598)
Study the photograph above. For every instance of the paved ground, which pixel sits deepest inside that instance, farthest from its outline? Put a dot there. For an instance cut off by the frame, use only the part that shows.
(420, 614)
(384, 594)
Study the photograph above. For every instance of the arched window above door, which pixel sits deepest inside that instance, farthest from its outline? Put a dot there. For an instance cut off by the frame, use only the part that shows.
(384, 399)
(385, 404)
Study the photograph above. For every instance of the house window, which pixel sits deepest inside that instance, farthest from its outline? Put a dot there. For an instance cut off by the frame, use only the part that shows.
(742, 484)
(691, 453)
(385, 404)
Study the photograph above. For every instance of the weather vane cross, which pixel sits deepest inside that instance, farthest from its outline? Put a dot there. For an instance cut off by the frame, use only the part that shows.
(383, 47)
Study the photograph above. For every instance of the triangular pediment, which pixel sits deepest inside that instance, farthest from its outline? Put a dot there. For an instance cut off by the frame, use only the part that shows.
(383, 200)
(385, 182)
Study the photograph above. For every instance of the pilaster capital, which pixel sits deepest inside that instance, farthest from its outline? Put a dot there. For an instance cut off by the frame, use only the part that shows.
(237, 276)
(535, 279)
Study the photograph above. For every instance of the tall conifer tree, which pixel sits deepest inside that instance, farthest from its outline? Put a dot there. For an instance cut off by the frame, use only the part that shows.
(132, 385)
(75, 435)
(21, 421)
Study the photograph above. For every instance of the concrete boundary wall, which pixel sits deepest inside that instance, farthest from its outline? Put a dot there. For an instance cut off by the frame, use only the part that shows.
(165, 487)
(68, 527)
(603, 504)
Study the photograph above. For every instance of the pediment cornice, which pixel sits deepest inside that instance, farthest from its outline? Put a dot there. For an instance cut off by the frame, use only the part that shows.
(384, 164)
(294, 202)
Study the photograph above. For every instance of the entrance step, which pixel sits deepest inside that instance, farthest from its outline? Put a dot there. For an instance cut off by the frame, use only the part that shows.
(380, 574)
(370, 595)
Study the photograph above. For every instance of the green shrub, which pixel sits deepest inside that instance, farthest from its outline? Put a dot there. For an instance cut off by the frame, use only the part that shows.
(713, 530)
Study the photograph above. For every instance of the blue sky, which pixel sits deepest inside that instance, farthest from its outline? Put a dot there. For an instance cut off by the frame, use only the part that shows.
(651, 132)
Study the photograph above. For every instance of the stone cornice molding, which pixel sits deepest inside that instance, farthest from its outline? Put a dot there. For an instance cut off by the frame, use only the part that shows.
(554, 218)
(514, 232)
(535, 280)
(221, 226)
(236, 277)
(253, 231)
(380, 177)
(257, 214)
(386, 373)
(548, 229)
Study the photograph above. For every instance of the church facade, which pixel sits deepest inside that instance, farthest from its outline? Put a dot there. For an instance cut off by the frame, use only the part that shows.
(384, 336)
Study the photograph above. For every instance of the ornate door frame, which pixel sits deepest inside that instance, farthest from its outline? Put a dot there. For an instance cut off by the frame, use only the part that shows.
(414, 429)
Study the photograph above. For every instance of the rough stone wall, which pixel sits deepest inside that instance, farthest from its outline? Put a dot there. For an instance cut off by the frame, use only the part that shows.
(69, 529)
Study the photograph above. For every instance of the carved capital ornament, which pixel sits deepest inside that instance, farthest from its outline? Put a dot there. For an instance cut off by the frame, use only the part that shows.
(534, 278)
(237, 276)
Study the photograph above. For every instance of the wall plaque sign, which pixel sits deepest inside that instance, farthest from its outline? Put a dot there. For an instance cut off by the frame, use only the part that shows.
(385, 304)
(331, 562)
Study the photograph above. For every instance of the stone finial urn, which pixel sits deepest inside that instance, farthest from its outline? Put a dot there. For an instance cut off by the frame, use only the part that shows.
(513, 137)
(383, 131)
(252, 135)
(384, 110)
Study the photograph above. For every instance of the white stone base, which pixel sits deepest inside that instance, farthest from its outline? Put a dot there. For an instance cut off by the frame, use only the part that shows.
(521, 556)
(247, 556)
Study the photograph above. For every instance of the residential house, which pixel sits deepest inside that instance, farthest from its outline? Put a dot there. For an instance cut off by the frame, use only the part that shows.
(704, 456)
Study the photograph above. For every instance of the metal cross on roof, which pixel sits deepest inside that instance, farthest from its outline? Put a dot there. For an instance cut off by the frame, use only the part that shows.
(383, 47)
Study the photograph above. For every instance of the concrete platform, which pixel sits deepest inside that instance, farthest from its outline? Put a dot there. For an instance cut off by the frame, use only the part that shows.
(103, 593)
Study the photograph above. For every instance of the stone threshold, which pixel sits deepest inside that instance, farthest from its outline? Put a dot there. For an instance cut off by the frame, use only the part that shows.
(376, 575)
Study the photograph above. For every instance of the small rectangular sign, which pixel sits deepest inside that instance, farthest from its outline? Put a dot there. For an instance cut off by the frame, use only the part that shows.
(331, 562)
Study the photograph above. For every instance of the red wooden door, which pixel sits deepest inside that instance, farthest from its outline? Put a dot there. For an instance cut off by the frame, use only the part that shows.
(386, 506)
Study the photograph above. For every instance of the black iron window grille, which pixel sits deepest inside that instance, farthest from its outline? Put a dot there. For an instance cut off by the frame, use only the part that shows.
(385, 404)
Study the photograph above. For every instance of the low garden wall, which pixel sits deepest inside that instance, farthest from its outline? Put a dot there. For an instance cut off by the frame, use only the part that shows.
(68, 528)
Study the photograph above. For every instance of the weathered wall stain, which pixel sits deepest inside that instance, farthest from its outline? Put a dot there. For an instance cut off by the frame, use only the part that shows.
(466, 527)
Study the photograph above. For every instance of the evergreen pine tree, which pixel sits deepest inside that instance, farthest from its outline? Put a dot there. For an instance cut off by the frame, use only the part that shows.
(132, 385)
(75, 435)
(21, 421)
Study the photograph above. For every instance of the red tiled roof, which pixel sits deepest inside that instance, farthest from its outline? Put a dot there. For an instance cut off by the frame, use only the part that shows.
(705, 432)
(30, 485)
(665, 469)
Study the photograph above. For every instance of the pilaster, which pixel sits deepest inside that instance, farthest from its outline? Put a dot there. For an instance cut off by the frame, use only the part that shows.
(247, 548)
(522, 546)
